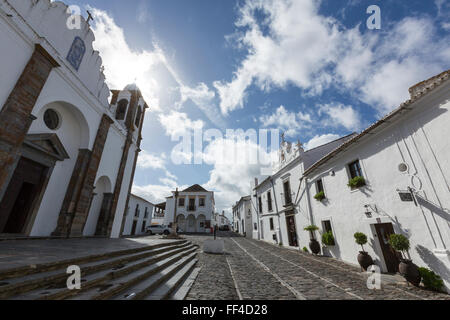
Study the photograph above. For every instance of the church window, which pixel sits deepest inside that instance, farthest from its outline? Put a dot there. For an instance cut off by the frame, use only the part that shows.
(121, 109)
(51, 119)
(137, 121)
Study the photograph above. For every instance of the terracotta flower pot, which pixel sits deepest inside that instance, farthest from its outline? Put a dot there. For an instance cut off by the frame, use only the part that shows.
(365, 260)
(410, 272)
(314, 246)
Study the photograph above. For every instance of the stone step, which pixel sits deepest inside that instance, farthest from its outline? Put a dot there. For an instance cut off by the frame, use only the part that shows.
(159, 280)
(164, 292)
(99, 281)
(56, 265)
(181, 292)
(55, 281)
(120, 282)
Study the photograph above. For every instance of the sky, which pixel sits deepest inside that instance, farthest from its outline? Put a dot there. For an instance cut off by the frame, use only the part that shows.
(311, 69)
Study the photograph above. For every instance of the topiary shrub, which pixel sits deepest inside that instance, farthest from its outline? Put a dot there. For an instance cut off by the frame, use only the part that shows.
(357, 182)
(311, 230)
(328, 239)
(431, 280)
(361, 239)
(400, 243)
(320, 196)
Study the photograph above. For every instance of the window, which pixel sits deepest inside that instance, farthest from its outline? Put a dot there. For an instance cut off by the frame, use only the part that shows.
(355, 169)
(51, 119)
(326, 225)
(269, 201)
(181, 202)
(121, 109)
(146, 213)
(271, 224)
(260, 205)
(191, 204)
(201, 202)
(319, 186)
(137, 212)
(144, 224)
(137, 121)
(287, 193)
(255, 226)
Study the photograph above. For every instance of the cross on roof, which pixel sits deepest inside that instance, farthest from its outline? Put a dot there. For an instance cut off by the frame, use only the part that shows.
(89, 16)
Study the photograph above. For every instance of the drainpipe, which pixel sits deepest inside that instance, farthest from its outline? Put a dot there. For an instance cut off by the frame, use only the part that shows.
(276, 207)
(311, 217)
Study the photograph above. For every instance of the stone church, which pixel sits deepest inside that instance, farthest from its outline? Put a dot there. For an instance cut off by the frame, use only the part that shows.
(68, 144)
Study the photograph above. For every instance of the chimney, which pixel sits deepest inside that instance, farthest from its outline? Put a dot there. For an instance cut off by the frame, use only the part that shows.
(256, 182)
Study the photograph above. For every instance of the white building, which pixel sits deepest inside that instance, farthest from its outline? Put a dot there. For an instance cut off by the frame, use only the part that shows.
(222, 220)
(405, 161)
(159, 214)
(195, 210)
(138, 216)
(243, 217)
(67, 154)
(274, 199)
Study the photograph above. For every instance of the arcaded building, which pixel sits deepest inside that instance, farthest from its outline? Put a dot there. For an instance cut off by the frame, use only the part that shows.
(68, 144)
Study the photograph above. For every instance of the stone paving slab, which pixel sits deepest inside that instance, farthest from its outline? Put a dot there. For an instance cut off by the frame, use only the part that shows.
(20, 253)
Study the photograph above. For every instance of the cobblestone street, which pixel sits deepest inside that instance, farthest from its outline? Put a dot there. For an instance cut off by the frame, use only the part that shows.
(255, 270)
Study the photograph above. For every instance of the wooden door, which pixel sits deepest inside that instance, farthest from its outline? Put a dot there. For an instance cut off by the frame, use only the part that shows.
(23, 189)
(292, 231)
(384, 231)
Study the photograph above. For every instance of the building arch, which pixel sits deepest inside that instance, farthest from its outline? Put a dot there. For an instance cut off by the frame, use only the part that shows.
(100, 199)
(190, 224)
(181, 223)
(69, 114)
(121, 109)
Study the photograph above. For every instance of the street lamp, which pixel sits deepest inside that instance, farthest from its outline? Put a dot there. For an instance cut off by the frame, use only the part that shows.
(174, 223)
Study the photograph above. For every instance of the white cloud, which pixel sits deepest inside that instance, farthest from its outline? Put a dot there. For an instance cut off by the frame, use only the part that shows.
(289, 122)
(318, 141)
(233, 171)
(156, 162)
(122, 64)
(341, 115)
(294, 45)
(177, 124)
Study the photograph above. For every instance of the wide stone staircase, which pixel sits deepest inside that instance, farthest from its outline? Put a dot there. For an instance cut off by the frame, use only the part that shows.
(154, 272)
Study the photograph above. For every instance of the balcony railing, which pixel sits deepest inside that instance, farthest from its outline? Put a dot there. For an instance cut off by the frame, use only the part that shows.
(191, 208)
(286, 199)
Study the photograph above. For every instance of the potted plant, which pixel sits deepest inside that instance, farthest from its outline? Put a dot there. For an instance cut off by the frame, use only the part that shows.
(357, 182)
(314, 244)
(320, 196)
(431, 280)
(406, 268)
(328, 239)
(364, 259)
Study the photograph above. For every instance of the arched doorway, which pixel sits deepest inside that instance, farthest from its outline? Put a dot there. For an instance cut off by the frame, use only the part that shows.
(190, 228)
(99, 202)
(181, 223)
(201, 220)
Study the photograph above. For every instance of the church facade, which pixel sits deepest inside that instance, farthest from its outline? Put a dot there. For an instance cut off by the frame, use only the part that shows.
(68, 145)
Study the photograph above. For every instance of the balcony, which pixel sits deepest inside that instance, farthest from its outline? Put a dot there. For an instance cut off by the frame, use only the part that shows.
(286, 200)
(191, 208)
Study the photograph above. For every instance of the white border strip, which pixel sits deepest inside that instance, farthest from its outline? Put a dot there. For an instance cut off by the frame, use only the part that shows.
(236, 287)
